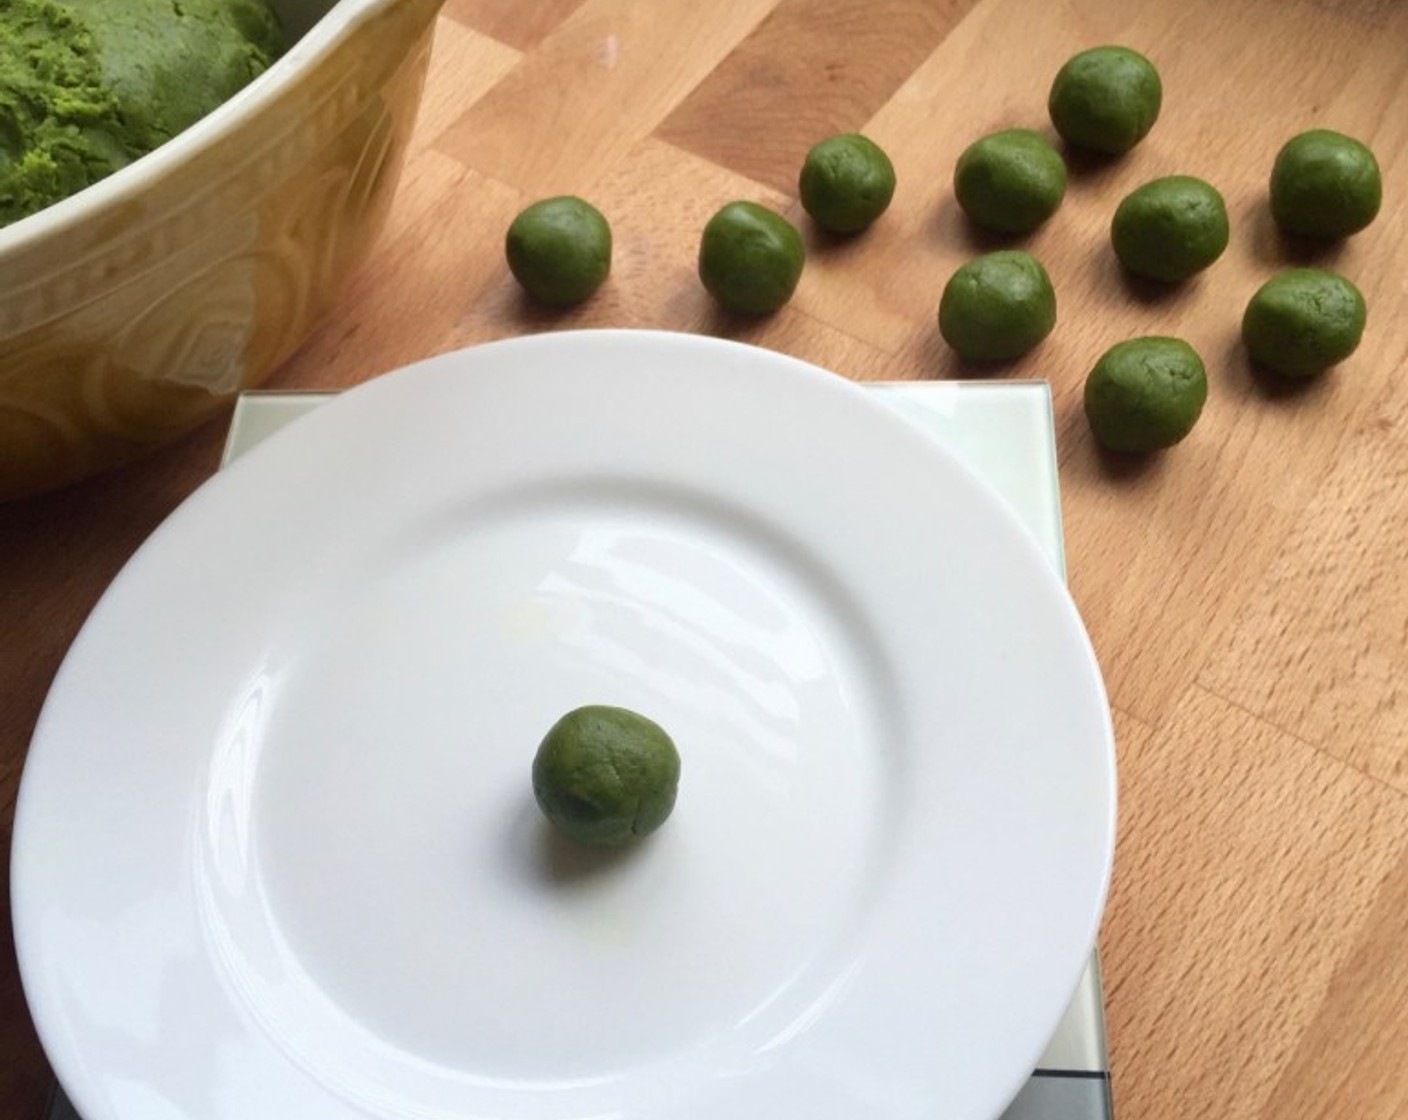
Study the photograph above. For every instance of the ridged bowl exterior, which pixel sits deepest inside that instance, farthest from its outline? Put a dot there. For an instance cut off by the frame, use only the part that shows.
(137, 309)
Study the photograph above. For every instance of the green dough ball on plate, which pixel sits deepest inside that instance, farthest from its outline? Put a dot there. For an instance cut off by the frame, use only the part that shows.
(606, 776)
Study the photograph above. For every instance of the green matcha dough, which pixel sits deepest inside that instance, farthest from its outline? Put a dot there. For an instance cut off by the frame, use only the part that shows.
(847, 182)
(606, 776)
(1325, 184)
(1010, 181)
(997, 307)
(750, 258)
(559, 249)
(1105, 99)
(1170, 228)
(1302, 321)
(88, 86)
(1145, 394)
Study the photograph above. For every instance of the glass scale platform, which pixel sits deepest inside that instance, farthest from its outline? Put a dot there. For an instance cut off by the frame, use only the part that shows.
(1004, 433)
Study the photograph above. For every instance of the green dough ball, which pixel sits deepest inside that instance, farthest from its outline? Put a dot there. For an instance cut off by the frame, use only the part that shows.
(559, 249)
(1106, 99)
(1145, 394)
(1325, 184)
(750, 258)
(606, 776)
(846, 183)
(997, 306)
(1010, 181)
(1171, 228)
(1302, 321)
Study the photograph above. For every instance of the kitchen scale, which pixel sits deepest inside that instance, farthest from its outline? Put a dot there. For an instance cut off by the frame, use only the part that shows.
(1004, 433)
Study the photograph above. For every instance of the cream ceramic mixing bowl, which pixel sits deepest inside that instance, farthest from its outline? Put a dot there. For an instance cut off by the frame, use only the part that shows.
(136, 309)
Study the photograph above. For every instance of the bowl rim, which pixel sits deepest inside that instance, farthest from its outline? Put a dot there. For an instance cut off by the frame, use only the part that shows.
(327, 33)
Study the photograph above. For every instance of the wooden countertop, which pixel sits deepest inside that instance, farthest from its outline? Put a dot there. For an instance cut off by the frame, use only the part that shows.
(1246, 592)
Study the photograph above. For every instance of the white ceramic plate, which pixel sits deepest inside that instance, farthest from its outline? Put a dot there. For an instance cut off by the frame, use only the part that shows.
(276, 853)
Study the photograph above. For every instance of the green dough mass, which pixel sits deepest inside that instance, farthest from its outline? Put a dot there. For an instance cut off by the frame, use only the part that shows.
(606, 776)
(88, 86)
(1106, 99)
(1145, 394)
(1302, 321)
(1170, 228)
(847, 182)
(750, 258)
(997, 306)
(1325, 184)
(1010, 181)
(559, 249)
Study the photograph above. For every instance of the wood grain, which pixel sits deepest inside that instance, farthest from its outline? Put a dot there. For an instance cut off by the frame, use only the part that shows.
(1313, 651)
(599, 82)
(1334, 1069)
(511, 22)
(1220, 808)
(1245, 591)
(812, 68)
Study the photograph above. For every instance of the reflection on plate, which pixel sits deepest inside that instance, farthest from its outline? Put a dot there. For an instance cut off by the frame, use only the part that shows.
(276, 852)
